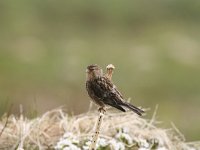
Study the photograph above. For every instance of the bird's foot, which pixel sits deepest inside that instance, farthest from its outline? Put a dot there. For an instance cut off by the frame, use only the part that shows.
(102, 110)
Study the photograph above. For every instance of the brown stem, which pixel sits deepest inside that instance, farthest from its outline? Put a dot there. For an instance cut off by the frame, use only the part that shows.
(97, 129)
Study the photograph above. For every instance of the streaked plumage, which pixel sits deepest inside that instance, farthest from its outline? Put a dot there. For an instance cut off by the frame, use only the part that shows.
(103, 92)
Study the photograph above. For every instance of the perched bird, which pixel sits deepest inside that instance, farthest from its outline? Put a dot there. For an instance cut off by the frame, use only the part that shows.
(103, 92)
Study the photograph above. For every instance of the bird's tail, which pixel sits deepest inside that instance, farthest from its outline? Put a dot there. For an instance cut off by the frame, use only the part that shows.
(133, 108)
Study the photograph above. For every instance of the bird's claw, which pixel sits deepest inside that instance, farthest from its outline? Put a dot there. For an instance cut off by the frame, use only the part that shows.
(102, 110)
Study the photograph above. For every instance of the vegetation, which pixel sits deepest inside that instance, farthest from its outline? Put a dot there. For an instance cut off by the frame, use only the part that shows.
(58, 130)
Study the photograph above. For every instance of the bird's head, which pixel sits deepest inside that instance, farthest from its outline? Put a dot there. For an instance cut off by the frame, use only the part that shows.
(93, 71)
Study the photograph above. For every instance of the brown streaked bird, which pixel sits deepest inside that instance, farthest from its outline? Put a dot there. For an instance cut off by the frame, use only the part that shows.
(103, 92)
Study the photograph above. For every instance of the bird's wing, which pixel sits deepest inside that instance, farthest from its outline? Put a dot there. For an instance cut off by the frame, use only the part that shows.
(106, 91)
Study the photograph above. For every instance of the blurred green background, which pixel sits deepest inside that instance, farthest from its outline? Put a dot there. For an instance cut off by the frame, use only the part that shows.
(45, 47)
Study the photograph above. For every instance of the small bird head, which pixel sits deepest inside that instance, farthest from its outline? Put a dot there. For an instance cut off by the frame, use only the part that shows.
(93, 71)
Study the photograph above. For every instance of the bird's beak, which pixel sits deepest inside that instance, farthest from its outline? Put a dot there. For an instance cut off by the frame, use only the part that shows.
(87, 71)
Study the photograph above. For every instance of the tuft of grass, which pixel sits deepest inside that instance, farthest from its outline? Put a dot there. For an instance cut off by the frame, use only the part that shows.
(57, 130)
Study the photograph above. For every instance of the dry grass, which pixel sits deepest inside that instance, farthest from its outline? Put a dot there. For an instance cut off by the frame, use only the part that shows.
(44, 132)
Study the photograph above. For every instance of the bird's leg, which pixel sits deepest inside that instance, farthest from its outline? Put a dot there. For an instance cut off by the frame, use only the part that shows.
(102, 111)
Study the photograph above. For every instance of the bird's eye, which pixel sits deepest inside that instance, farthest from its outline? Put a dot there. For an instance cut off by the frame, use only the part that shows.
(92, 69)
